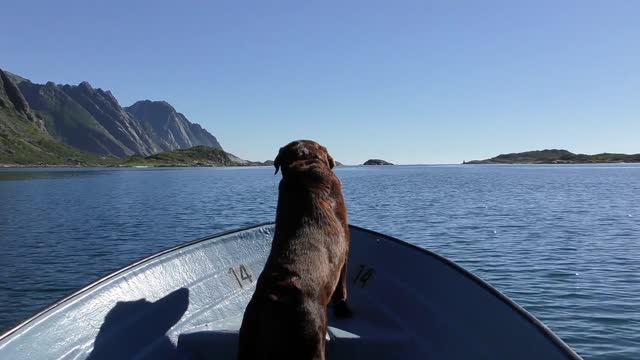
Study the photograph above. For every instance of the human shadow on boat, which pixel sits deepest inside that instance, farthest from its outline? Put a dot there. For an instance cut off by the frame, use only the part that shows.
(137, 329)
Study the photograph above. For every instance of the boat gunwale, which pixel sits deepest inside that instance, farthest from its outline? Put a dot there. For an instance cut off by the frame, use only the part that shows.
(550, 335)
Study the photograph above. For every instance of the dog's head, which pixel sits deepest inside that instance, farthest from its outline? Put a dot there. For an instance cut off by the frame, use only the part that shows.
(302, 150)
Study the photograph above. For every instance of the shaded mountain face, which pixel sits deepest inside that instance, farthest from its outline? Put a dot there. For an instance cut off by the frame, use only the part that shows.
(91, 119)
(11, 96)
(169, 128)
(17, 122)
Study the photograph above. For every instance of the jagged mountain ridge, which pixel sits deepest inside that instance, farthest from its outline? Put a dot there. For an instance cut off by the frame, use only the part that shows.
(106, 110)
(91, 119)
(171, 130)
(69, 122)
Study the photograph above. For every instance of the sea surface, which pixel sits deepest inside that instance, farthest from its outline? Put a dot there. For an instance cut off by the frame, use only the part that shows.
(563, 241)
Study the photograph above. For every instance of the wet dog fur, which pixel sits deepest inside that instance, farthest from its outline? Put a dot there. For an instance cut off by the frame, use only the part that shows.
(306, 269)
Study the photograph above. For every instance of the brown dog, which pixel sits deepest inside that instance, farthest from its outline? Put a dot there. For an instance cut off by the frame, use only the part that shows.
(287, 315)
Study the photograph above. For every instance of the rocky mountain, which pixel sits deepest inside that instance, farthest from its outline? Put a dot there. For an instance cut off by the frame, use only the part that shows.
(169, 128)
(91, 119)
(69, 122)
(104, 108)
(23, 137)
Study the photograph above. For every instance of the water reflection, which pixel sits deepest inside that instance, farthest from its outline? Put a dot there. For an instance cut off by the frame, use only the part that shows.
(12, 174)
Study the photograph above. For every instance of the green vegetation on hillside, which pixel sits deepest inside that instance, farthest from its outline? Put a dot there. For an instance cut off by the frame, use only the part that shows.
(22, 143)
(67, 121)
(196, 156)
(23, 139)
(51, 125)
(42, 151)
(557, 157)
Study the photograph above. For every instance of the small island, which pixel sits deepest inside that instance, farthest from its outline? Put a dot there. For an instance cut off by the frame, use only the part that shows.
(555, 156)
(376, 162)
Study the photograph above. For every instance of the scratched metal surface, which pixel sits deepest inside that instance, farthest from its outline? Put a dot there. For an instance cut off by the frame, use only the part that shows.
(187, 303)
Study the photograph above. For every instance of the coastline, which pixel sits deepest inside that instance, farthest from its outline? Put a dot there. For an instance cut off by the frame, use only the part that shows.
(557, 157)
(45, 166)
(97, 166)
(549, 163)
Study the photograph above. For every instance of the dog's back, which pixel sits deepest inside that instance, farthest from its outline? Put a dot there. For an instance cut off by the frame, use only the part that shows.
(286, 317)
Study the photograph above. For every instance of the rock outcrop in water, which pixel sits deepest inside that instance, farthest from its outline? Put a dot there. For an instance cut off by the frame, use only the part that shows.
(376, 162)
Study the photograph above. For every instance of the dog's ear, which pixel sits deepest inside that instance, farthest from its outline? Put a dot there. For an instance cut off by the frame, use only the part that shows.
(276, 162)
(330, 161)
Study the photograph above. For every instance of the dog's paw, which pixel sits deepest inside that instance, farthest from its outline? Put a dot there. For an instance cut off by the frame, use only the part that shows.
(342, 310)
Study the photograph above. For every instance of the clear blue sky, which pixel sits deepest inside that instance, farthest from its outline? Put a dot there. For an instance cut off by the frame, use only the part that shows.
(410, 82)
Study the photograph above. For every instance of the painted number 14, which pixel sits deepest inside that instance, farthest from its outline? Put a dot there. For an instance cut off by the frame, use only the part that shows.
(242, 275)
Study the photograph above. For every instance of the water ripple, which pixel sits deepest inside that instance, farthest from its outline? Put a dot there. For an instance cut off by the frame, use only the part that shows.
(562, 241)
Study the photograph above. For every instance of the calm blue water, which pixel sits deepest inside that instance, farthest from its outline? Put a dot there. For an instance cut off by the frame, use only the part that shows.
(562, 241)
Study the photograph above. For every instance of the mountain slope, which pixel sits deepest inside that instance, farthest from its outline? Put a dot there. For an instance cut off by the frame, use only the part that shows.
(104, 107)
(23, 139)
(169, 128)
(69, 122)
(91, 119)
